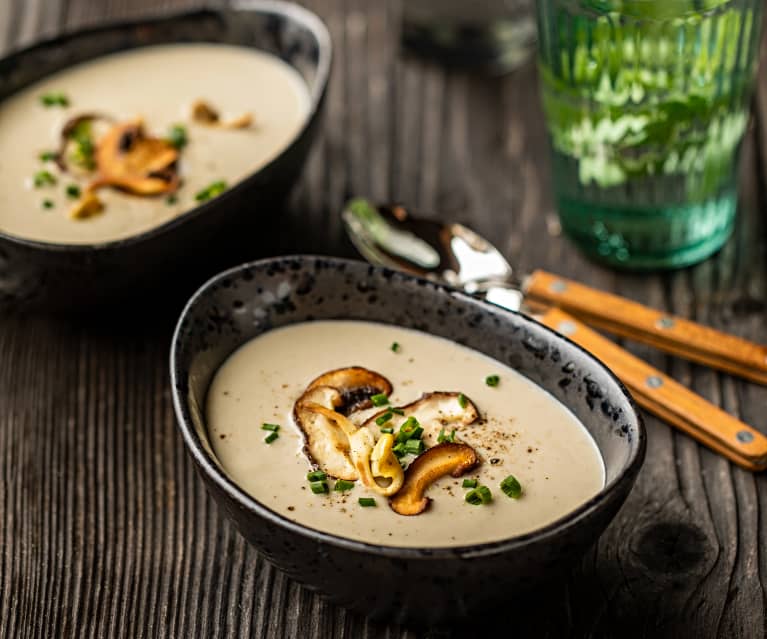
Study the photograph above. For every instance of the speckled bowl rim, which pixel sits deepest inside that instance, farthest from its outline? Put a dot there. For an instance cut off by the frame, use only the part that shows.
(210, 467)
(294, 12)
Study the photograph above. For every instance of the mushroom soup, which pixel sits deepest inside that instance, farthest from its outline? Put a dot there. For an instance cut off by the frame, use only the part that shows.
(396, 437)
(124, 143)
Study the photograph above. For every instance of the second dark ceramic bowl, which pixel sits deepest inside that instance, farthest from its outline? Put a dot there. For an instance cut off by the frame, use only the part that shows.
(239, 224)
(426, 585)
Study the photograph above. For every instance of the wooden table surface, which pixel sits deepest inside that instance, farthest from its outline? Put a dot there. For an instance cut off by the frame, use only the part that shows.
(106, 531)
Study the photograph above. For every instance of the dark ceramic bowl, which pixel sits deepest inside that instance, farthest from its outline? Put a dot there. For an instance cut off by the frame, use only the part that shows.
(427, 585)
(234, 226)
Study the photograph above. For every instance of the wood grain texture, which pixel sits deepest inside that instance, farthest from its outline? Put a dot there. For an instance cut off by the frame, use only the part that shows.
(105, 530)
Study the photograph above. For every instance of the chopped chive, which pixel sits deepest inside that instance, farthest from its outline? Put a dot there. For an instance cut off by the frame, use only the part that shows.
(210, 191)
(84, 150)
(384, 418)
(399, 450)
(397, 411)
(319, 487)
(388, 430)
(177, 136)
(492, 380)
(444, 437)
(414, 446)
(47, 156)
(511, 487)
(480, 495)
(469, 483)
(316, 475)
(463, 401)
(54, 99)
(395, 347)
(342, 485)
(171, 200)
(73, 191)
(271, 437)
(367, 502)
(272, 427)
(410, 429)
(47, 204)
(379, 400)
(43, 178)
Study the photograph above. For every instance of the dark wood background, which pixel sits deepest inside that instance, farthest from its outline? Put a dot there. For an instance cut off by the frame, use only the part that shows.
(106, 531)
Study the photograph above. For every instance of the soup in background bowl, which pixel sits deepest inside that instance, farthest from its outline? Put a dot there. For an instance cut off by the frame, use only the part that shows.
(140, 198)
(228, 381)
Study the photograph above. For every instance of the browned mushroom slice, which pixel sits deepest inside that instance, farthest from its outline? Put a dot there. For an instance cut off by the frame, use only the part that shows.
(87, 206)
(434, 411)
(356, 385)
(204, 113)
(129, 159)
(325, 431)
(375, 462)
(443, 459)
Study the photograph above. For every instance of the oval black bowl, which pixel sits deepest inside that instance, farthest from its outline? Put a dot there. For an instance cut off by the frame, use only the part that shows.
(237, 225)
(426, 585)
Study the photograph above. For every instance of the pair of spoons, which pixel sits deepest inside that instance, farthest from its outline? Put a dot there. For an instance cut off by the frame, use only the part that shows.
(389, 235)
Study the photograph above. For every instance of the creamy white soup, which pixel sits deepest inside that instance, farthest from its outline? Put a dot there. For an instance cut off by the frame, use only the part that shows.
(261, 103)
(521, 431)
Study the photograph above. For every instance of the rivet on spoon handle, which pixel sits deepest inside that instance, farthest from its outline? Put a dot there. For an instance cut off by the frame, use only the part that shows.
(635, 321)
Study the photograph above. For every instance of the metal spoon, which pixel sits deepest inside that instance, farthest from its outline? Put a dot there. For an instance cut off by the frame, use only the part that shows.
(388, 235)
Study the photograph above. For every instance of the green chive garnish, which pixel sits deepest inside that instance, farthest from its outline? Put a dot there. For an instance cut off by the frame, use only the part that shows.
(469, 483)
(343, 485)
(211, 191)
(47, 156)
(319, 487)
(54, 99)
(397, 411)
(379, 400)
(480, 495)
(443, 437)
(388, 430)
(463, 401)
(171, 200)
(43, 178)
(84, 150)
(384, 418)
(47, 204)
(395, 347)
(316, 475)
(177, 136)
(411, 429)
(399, 450)
(73, 191)
(272, 427)
(271, 437)
(511, 487)
(492, 380)
(367, 502)
(414, 446)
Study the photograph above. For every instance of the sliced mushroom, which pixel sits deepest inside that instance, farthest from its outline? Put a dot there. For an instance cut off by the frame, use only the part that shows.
(204, 113)
(129, 159)
(356, 385)
(443, 459)
(326, 431)
(87, 206)
(384, 464)
(434, 411)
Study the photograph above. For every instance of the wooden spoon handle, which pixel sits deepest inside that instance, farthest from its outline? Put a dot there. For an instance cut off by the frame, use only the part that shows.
(632, 320)
(666, 398)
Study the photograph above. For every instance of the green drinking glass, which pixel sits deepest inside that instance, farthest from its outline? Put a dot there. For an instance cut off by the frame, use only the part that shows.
(646, 102)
